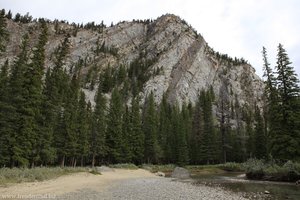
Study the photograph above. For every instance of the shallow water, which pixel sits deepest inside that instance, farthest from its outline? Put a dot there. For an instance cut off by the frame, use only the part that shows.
(255, 189)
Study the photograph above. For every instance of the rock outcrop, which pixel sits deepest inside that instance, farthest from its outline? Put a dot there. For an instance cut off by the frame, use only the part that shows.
(185, 62)
(180, 172)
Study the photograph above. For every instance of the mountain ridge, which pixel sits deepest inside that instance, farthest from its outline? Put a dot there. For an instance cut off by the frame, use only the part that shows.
(185, 61)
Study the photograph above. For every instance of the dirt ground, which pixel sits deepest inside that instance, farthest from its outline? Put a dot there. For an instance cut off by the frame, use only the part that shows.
(70, 183)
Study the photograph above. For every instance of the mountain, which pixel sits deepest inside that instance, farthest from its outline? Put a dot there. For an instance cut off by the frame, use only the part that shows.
(165, 56)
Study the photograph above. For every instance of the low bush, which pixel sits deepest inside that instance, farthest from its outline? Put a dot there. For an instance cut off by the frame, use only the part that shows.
(232, 167)
(161, 168)
(272, 171)
(124, 166)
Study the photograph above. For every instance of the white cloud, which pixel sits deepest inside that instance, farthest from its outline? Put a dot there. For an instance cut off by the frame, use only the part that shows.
(238, 28)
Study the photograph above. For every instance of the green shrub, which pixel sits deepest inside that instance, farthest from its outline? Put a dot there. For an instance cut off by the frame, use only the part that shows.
(231, 166)
(95, 172)
(156, 168)
(17, 175)
(270, 170)
(254, 165)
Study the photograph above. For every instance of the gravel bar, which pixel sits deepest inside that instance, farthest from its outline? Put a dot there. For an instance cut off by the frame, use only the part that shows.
(153, 189)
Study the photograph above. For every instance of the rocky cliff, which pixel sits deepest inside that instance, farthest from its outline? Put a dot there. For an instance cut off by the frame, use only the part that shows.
(181, 64)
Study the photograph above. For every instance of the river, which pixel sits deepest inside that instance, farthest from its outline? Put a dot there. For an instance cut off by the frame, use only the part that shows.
(255, 189)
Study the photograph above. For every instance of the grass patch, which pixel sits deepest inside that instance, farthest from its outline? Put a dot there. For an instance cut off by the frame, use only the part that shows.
(232, 167)
(95, 172)
(159, 168)
(124, 166)
(204, 169)
(18, 175)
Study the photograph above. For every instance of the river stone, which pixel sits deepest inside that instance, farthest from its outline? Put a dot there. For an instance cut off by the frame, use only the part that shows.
(160, 174)
(180, 172)
(267, 192)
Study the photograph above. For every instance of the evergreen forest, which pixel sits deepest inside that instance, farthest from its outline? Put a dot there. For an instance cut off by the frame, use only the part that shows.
(45, 119)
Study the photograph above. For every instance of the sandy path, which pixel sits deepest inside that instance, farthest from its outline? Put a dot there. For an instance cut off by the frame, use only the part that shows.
(70, 183)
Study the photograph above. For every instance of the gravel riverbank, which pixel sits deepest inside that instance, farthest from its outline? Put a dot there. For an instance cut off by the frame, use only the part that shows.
(118, 184)
(153, 189)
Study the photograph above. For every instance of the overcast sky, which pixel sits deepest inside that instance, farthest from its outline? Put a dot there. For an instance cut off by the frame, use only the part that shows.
(237, 27)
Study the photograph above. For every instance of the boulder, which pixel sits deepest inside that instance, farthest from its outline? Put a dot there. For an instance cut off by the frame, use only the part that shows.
(180, 172)
(298, 182)
(160, 174)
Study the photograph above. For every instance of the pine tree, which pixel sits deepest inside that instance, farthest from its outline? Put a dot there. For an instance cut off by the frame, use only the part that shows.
(197, 133)
(4, 110)
(182, 131)
(150, 123)
(83, 128)
(114, 128)
(3, 32)
(31, 109)
(286, 139)
(210, 137)
(18, 140)
(137, 137)
(126, 136)
(107, 81)
(271, 98)
(223, 117)
(47, 149)
(71, 144)
(260, 137)
(97, 139)
(57, 91)
(248, 116)
(165, 136)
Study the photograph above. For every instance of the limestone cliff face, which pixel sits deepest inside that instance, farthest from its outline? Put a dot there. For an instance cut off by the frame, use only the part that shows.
(187, 64)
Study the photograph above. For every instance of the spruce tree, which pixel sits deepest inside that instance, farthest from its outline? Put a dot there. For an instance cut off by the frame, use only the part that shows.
(271, 99)
(31, 110)
(150, 123)
(47, 149)
(260, 137)
(56, 92)
(137, 137)
(71, 144)
(114, 128)
(126, 136)
(4, 111)
(3, 32)
(182, 131)
(223, 117)
(18, 140)
(97, 138)
(165, 129)
(197, 133)
(83, 128)
(248, 116)
(286, 138)
(210, 137)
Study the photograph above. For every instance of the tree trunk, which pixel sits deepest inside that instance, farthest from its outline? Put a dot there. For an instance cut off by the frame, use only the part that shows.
(75, 162)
